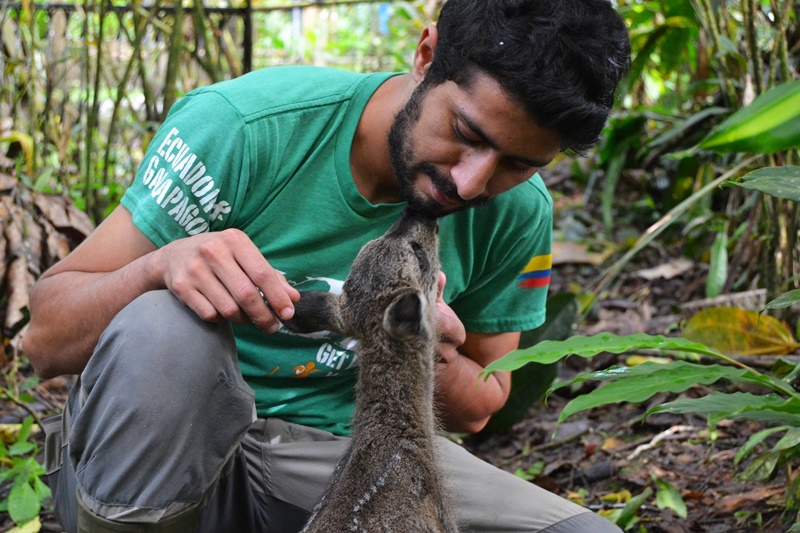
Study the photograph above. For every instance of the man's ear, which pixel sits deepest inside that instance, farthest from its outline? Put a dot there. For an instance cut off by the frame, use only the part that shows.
(404, 318)
(423, 55)
(316, 311)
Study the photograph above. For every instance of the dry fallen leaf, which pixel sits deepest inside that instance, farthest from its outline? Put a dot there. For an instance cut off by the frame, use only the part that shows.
(735, 331)
(668, 270)
(733, 502)
(565, 253)
(19, 282)
(611, 443)
(36, 231)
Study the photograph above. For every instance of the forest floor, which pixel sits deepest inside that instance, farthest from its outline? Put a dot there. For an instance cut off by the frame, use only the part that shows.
(595, 456)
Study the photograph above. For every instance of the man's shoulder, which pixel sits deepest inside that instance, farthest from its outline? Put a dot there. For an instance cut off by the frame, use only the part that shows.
(528, 200)
(523, 210)
(532, 191)
(282, 89)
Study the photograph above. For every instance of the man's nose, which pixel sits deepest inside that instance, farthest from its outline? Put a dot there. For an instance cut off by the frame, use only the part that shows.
(473, 173)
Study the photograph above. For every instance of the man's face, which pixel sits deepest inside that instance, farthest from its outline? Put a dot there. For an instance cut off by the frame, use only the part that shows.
(455, 147)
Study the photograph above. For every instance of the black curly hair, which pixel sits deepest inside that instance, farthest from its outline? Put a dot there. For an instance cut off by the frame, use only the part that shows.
(562, 59)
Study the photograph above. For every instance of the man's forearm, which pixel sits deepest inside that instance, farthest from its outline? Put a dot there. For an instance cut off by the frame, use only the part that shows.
(70, 310)
(466, 402)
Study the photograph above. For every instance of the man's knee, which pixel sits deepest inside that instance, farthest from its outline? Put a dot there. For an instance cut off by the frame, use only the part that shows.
(159, 359)
(157, 331)
(161, 401)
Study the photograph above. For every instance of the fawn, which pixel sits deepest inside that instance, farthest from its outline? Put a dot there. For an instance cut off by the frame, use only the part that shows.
(387, 481)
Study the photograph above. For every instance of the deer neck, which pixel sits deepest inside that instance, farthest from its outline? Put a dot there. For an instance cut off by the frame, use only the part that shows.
(394, 393)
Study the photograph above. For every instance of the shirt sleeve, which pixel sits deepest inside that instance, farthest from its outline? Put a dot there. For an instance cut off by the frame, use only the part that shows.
(511, 293)
(192, 170)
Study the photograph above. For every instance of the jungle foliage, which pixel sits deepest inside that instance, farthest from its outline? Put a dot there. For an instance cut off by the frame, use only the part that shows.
(708, 130)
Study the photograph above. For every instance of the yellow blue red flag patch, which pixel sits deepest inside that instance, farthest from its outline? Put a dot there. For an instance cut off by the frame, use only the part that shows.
(536, 273)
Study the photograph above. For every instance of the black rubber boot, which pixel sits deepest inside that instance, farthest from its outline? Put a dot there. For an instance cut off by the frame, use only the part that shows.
(88, 522)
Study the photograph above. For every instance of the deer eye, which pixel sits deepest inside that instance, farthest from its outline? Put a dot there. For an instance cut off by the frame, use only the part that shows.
(424, 264)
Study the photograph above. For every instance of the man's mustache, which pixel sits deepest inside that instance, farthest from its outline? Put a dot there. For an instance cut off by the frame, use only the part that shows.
(447, 187)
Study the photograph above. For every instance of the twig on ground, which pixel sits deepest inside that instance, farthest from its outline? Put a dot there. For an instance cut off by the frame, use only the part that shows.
(661, 436)
(25, 406)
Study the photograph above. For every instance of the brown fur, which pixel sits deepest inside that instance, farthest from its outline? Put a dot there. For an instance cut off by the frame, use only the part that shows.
(387, 481)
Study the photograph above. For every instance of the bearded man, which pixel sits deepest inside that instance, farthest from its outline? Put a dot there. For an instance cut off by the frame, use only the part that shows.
(195, 410)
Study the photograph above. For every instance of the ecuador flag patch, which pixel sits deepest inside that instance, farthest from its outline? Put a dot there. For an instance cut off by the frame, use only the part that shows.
(536, 273)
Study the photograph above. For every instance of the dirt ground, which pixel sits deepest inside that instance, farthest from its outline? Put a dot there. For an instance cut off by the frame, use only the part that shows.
(596, 456)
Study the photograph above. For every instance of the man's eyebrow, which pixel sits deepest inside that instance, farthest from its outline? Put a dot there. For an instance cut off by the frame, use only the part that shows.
(476, 129)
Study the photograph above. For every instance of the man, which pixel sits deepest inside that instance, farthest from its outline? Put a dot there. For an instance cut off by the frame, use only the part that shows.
(260, 186)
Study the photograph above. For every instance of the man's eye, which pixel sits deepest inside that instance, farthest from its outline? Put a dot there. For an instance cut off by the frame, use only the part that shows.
(465, 138)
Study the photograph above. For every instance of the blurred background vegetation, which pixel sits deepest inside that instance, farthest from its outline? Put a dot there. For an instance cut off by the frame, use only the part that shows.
(713, 95)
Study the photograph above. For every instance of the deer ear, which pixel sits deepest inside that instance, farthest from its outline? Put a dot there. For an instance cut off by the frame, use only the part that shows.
(404, 318)
(316, 311)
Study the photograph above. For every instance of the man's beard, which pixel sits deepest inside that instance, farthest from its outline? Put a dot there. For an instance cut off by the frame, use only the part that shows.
(407, 173)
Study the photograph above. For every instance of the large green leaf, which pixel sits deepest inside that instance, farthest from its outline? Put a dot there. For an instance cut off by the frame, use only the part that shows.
(782, 182)
(784, 300)
(530, 382)
(770, 124)
(547, 352)
(668, 497)
(636, 384)
(719, 405)
(754, 440)
(23, 504)
(788, 441)
(762, 467)
(783, 412)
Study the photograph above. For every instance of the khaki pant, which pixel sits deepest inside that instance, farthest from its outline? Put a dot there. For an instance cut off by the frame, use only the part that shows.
(161, 424)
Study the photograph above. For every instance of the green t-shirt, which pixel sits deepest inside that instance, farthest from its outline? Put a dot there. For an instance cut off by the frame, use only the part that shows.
(269, 153)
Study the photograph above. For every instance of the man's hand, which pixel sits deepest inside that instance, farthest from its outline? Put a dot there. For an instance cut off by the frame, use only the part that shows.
(222, 276)
(451, 331)
(218, 275)
(466, 402)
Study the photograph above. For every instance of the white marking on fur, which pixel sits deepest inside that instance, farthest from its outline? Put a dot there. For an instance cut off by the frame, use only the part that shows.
(380, 482)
